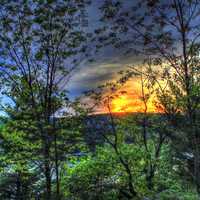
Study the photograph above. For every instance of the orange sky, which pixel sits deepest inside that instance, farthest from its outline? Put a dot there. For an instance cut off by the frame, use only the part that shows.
(130, 101)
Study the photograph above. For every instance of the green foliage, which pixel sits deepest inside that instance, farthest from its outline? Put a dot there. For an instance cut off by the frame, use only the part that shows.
(101, 175)
(44, 156)
(91, 177)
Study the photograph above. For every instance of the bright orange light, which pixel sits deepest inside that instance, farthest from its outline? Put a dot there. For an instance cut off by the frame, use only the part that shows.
(131, 103)
(120, 104)
(126, 103)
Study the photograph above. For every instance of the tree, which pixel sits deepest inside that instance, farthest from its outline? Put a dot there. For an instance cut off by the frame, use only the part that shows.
(147, 131)
(40, 46)
(112, 136)
(167, 32)
(100, 174)
(19, 172)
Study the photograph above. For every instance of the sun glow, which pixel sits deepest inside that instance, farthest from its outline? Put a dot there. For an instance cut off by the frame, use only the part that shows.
(131, 103)
(121, 104)
(128, 100)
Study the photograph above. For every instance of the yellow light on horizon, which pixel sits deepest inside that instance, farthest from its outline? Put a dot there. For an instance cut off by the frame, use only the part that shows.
(131, 103)
(120, 104)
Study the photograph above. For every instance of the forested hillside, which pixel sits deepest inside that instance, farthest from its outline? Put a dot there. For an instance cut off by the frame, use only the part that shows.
(99, 100)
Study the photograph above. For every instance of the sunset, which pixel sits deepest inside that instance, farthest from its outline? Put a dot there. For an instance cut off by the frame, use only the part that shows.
(130, 103)
(122, 104)
(128, 99)
(100, 100)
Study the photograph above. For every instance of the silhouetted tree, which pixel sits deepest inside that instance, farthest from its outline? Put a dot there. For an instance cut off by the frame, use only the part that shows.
(40, 47)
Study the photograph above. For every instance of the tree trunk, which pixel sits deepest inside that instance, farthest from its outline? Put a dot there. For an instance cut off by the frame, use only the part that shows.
(18, 188)
(57, 168)
(197, 160)
(149, 178)
(47, 172)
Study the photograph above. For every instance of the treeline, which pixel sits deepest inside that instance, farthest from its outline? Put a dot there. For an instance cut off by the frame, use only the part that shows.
(47, 155)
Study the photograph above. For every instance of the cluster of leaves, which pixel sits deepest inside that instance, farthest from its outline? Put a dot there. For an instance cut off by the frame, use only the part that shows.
(101, 176)
(142, 157)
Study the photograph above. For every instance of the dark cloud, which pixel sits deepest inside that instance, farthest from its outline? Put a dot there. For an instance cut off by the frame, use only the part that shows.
(98, 73)
(108, 61)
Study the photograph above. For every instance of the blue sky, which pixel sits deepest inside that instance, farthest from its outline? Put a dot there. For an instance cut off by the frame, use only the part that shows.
(108, 61)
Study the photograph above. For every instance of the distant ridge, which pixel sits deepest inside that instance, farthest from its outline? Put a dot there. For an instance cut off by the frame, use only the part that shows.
(124, 113)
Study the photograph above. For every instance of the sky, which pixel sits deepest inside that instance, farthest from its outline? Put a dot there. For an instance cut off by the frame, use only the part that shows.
(108, 62)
